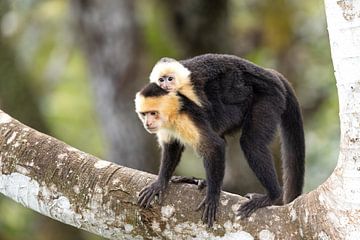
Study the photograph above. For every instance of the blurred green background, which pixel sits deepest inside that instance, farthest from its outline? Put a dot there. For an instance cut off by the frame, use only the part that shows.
(71, 69)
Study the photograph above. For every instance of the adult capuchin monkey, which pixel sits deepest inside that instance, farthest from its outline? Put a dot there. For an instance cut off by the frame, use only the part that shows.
(198, 101)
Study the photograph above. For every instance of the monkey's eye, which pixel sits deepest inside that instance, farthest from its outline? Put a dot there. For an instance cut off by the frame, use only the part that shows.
(170, 79)
(153, 113)
(142, 114)
(161, 79)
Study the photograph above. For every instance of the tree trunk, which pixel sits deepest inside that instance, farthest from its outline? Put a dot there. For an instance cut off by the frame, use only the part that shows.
(100, 196)
(340, 194)
(201, 26)
(109, 35)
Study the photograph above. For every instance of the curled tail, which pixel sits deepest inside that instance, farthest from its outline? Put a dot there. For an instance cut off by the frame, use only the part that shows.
(293, 146)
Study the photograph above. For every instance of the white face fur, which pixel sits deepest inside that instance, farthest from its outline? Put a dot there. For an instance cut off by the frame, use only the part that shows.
(152, 121)
(170, 75)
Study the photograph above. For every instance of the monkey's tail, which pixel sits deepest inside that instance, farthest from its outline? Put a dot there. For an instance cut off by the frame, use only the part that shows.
(293, 146)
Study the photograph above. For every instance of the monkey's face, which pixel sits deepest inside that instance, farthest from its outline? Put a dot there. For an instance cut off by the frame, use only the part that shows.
(157, 108)
(167, 82)
(170, 75)
(152, 121)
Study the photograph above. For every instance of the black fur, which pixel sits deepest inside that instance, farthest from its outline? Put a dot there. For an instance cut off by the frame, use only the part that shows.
(244, 95)
(153, 90)
(212, 151)
(241, 95)
(171, 154)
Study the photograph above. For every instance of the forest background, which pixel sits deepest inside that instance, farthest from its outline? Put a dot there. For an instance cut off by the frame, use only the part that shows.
(71, 69)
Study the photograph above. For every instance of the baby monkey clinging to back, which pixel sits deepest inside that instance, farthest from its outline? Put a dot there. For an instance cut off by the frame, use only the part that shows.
(210, 96)
(172, 76)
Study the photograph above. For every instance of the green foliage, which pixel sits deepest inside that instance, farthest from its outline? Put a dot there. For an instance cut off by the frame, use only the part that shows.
(15, 222)
(158, 39)
(69, 109)
(46, 52)
(45, 81)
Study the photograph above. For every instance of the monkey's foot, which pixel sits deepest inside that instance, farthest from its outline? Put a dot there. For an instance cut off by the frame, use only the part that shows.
(201, 183)
(254, 195)
(210, 205)
(255, 202)
(148, 193)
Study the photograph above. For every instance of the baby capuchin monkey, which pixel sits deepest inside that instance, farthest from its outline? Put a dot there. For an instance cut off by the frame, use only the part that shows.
(198, 101)
(172, 76)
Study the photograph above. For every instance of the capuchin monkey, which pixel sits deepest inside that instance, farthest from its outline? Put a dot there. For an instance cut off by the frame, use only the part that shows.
(198, 101)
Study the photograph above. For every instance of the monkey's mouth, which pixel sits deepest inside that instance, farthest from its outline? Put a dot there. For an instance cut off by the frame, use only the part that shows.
(152, 130)
(169, 89)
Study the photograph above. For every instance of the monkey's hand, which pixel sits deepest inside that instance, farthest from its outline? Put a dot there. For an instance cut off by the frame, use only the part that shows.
(255, 202)
(148, 193)
(210, 204)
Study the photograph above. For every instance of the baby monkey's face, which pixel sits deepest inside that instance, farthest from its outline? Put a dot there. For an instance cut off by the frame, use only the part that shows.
(167, 82)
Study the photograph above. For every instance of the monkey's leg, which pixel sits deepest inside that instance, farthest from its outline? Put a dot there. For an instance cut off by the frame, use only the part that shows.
(257, 134)
(171, 154)
(213, 153)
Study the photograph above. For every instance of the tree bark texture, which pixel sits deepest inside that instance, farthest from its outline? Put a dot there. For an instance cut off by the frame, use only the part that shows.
(109, 37)
(341, 192)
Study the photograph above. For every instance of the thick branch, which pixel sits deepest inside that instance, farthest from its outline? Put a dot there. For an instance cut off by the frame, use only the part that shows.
(61, 182)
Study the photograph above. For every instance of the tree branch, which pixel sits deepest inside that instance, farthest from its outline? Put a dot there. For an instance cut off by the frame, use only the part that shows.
(59, 181)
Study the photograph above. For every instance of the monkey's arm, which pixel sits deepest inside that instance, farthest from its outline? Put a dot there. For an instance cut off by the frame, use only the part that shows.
(213, 153)
(171, 154)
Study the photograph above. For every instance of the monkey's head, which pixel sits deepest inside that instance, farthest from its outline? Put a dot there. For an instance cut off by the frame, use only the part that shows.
(170, 74)
(156, 107)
